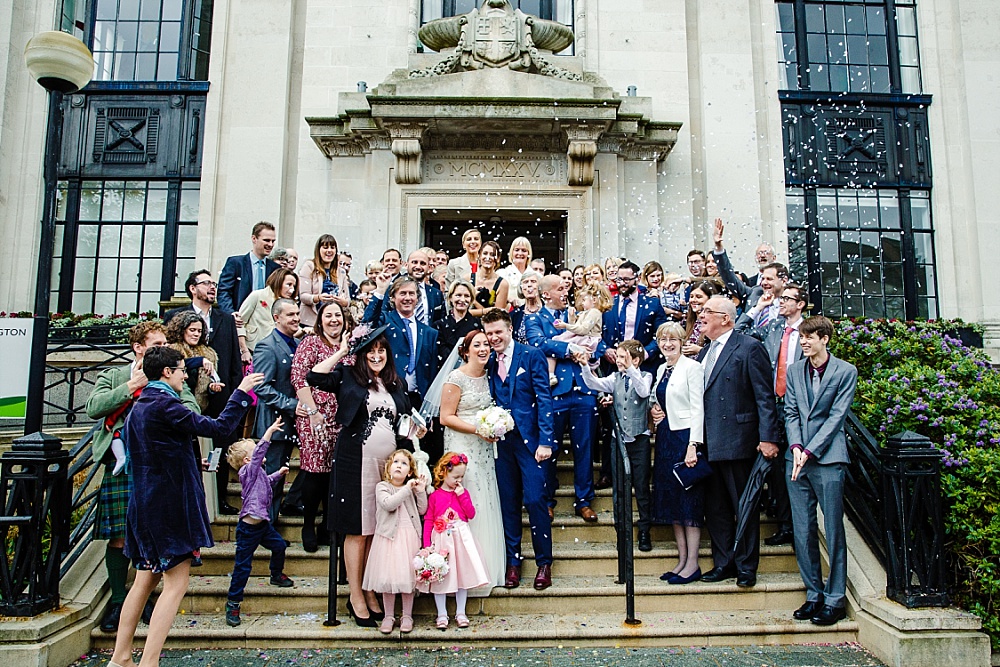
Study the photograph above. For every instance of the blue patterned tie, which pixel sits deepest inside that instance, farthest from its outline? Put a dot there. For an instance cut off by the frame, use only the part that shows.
(411, 338)
(764, 317)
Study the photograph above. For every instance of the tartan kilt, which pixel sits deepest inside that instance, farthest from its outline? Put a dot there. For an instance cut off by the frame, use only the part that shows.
(112, 505)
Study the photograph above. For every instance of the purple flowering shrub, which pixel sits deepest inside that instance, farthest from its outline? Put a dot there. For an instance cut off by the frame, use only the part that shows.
(917, 376)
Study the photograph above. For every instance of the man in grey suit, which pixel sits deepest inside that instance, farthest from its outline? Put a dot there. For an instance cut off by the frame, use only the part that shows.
(740, 420)
(780, 338)
(820, 392)
(276, 396)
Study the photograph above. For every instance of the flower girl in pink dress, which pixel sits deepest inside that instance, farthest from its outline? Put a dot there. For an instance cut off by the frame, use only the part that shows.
(446, 530)
(400, 499)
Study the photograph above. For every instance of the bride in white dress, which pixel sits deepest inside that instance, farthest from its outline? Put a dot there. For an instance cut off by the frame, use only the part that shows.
(466, 391)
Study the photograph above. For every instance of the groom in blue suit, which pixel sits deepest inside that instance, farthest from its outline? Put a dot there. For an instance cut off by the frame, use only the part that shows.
(519, 382)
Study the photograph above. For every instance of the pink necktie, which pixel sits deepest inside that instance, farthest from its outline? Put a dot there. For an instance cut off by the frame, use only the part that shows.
(502, 368)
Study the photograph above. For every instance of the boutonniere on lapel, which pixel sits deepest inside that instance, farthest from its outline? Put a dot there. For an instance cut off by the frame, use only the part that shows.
(263, 304)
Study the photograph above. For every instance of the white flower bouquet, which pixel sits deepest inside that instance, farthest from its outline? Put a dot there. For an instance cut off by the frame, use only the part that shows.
(494, 422)
(431, 566)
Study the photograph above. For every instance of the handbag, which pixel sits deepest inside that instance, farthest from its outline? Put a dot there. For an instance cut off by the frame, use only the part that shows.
(688, 477)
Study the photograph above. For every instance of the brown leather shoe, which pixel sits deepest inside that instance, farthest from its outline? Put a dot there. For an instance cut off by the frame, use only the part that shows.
(544, 577)
(587, 514)
(552, 514)
(513, 578)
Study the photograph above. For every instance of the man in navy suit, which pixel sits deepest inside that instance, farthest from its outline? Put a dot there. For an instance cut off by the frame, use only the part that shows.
(740, 420)
(574, 404)
(243, 274)
(430, 303)
(633, 316)
(519, 381)
(414, 346)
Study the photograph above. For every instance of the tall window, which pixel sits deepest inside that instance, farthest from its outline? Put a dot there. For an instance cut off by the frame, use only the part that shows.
(857, 46)
(553, 10)
(119, 244)
(151, 40)
(873, 250)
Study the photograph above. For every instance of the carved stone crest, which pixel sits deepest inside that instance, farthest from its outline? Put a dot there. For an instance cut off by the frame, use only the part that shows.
(496, 35)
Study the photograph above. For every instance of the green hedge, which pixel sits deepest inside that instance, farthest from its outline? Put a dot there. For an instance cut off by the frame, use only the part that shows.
(918, 376)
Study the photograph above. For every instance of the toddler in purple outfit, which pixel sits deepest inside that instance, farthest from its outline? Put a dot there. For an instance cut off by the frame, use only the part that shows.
(254, 528)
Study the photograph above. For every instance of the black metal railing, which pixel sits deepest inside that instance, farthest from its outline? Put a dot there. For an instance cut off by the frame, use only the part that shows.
(75, 357)
(49, 511)
(893, 496)
(35, 524)
(863, 485)
(84, 477)
(621, 477)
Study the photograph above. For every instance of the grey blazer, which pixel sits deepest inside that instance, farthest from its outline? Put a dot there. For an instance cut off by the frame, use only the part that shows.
(770, 336)
(275, 394)
(748, 295)
(817, 421)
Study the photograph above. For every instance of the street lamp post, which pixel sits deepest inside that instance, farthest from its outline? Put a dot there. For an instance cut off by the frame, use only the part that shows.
(61, 64)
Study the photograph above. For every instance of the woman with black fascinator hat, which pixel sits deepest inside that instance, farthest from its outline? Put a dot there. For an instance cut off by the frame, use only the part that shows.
(371, 399)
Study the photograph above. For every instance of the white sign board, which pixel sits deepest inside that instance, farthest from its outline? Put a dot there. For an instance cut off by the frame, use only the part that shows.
(15, 350)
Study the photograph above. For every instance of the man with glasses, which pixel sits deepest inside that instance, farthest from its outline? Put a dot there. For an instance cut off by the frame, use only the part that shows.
(222, 338)
(633, 316)
(740, 420)
(780, 337)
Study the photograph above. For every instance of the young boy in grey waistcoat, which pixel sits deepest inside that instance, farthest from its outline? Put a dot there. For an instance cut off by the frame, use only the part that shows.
(631, 390)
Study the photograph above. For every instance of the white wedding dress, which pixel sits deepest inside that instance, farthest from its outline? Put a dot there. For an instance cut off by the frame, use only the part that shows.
(480, 477)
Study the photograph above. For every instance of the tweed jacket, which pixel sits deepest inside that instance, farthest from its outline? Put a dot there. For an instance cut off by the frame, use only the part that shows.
(110, 393)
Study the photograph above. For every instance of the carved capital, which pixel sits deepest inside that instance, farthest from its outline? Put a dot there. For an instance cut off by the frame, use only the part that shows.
(581, 162)
(407, 149)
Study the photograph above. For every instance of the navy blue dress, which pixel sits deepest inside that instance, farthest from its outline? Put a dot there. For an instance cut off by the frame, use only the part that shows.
(671, 503)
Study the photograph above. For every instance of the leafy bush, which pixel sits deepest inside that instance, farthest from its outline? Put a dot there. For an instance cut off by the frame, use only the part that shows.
(917, 376)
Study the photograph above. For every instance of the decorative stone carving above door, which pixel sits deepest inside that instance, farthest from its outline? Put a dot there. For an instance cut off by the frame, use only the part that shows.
(493, 89)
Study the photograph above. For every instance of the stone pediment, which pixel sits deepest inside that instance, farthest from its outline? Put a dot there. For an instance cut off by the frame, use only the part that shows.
(489, 102)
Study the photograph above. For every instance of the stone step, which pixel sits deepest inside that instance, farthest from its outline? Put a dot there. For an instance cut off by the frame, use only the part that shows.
(603, 501)
(564, 472)
(573, 559)
(594, 593)
(577, 629)
(566, 527)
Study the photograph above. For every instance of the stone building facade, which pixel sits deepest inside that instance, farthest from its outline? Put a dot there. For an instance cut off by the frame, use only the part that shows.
(855, 135)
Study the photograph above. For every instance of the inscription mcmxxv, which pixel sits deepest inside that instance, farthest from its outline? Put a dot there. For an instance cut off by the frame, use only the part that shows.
(545, 168)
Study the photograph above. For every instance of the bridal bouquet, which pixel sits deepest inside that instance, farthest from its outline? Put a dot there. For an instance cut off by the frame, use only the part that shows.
(494, 422)
(431, 566)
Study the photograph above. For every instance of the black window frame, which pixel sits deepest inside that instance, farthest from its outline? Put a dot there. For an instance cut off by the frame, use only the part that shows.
(803, 13)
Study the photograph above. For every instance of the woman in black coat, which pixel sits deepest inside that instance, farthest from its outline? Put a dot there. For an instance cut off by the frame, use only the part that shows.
(370, 399)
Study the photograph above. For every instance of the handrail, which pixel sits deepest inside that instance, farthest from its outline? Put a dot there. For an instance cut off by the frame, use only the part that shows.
(83, 508)
(621, 475)
(863, 485)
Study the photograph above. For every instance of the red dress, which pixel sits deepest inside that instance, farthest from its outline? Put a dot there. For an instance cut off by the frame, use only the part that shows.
(315, 453)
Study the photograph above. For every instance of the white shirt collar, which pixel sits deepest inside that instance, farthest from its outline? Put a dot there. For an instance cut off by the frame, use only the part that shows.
(721, 340)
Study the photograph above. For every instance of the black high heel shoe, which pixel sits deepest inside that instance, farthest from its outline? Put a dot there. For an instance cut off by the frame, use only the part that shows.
(369, 622)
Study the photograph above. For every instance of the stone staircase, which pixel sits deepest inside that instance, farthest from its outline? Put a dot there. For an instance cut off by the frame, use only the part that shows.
(584, 606)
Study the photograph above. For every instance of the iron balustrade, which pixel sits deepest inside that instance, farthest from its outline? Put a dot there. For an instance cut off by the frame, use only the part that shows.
(893, 496)
(70, 375)
(35, 524)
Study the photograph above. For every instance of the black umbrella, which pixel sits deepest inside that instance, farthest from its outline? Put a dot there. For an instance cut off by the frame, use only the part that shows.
(750, 500)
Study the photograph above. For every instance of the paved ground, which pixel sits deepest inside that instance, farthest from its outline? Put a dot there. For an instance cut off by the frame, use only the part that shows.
(840, 655)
